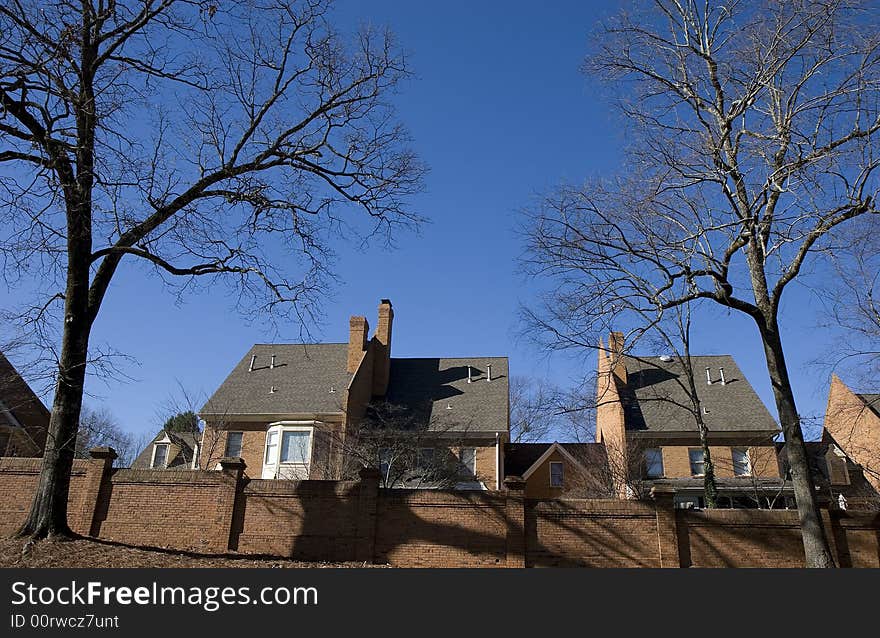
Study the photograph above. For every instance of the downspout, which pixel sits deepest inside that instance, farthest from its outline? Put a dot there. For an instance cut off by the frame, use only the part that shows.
(497, 461)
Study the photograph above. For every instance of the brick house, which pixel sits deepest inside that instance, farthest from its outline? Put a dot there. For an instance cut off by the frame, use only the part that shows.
(644, 419)
(559, 470)
(295, 410)
(24, 420)
(852, 426)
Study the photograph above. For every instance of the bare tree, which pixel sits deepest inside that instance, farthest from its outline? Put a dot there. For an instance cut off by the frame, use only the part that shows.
(407, 449)
(534, 410)
(753, 130)
(97, 428)
(852, 304)
(201, 139)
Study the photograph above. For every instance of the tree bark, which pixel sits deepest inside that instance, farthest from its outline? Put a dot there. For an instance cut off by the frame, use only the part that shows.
(816, 549)
(48, 514)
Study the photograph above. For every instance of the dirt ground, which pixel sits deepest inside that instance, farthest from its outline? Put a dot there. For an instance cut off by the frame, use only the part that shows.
(15, 552)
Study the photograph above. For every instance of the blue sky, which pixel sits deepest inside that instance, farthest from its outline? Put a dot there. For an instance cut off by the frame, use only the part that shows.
(500, 112)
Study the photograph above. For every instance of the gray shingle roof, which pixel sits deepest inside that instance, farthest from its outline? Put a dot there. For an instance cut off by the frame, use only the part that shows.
(655, 396)
(427, 386)
(303, 377)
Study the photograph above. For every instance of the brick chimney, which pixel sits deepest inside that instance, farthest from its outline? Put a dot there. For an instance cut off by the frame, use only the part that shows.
(610, 415)
(382, 361)
(358, 328)
(615, 352)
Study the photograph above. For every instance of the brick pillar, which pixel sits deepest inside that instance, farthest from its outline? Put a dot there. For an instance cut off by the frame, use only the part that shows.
(667, 529)
(515, 513)
(231, 473)
(367, 506)
(97, 473)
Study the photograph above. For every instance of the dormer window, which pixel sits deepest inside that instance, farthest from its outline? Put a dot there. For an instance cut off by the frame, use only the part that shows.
(160, 456)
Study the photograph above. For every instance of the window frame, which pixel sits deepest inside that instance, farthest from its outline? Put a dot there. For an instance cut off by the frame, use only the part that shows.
(659, 452)
(156, 446)
(748, 461)
(240, 443)
(278, 429)
(561, 474)
(702, 462)
(285, 431)
(471, 468)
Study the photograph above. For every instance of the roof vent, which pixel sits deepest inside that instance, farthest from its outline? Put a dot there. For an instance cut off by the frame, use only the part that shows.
(272, 389)
(723, 380)
(470, 378)
(448, 406)
(708, 376)
(665, 358)
(332, 390)
(488, 372)
(253, 360)
(272, 362)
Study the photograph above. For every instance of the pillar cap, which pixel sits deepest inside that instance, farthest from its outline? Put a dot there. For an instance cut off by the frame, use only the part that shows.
(103, 452)
(232, 463)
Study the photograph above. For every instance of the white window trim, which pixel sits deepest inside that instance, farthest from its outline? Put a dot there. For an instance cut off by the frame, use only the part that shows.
(745, 451)
(290, 426)
(167, 443)
(552, 463)
(691, 463)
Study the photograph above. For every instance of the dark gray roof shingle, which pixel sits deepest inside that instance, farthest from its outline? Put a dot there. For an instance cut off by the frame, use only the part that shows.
(655, 397)
(303, 377)
(438, 391)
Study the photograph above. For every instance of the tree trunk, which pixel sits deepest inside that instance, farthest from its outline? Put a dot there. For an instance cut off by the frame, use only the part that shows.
(816, 549)
(48, 515)
(710, 487)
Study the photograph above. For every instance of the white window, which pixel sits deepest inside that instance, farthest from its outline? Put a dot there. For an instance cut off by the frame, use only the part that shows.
(556, 474)
(295, 446)
(468, 458)
(160, 455)
(697, 462)
(288, 450)
(654, 462)
(742, 465)
(271, 448)
(233, 444)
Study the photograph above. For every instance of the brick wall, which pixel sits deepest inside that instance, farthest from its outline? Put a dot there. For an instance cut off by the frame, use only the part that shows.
(222, 511)
(591, 533)
(18, 482)
(433, 528)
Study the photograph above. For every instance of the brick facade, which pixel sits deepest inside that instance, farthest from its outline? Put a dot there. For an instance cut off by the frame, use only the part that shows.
(220, 511)
(855, 427)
